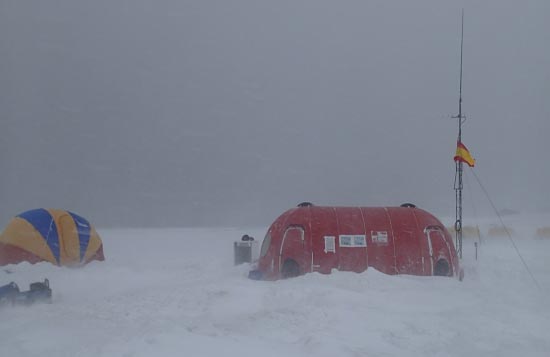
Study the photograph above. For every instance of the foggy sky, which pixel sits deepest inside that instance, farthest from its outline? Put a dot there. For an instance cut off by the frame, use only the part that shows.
(204, 113)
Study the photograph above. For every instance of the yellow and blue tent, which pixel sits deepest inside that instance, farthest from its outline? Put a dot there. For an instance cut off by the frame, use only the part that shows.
(53, 235)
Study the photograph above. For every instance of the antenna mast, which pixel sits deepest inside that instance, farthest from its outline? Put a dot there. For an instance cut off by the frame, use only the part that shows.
(459, 169)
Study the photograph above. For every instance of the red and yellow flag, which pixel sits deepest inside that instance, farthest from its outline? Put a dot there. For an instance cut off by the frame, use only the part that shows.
(462, 154)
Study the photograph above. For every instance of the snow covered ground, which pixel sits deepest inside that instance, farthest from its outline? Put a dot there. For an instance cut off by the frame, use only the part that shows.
(176, 292)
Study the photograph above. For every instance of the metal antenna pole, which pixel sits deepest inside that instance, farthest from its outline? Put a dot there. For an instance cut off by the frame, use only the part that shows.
(458, 173)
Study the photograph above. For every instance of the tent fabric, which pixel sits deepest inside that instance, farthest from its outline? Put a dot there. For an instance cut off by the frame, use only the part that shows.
(53, 235)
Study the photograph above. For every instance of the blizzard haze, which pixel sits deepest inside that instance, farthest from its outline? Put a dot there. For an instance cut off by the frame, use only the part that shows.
(209, 113)
(175, 292)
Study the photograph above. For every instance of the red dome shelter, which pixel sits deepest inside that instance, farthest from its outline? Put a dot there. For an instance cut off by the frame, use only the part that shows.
(393, 240)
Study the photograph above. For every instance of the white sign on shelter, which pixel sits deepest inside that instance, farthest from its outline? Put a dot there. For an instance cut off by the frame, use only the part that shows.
(352, 240)
(379, 237)
(330, 244)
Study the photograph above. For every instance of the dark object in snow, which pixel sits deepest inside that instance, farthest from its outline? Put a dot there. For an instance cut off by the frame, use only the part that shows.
(255, 275)
(242, 252)
(247, 238)
(38, 292)
(8, 292)
(245, 250)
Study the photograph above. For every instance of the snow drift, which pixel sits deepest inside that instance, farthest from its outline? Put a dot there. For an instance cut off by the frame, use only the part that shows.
(183, 296)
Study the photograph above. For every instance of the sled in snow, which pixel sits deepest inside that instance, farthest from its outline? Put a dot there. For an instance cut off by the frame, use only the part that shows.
(38, 292)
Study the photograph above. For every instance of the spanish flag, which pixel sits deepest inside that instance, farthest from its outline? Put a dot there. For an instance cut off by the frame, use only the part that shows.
(462, 154)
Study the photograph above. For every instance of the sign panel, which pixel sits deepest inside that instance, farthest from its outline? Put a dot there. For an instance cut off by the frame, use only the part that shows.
(379, 237)
(330, 244)
(352, 240)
